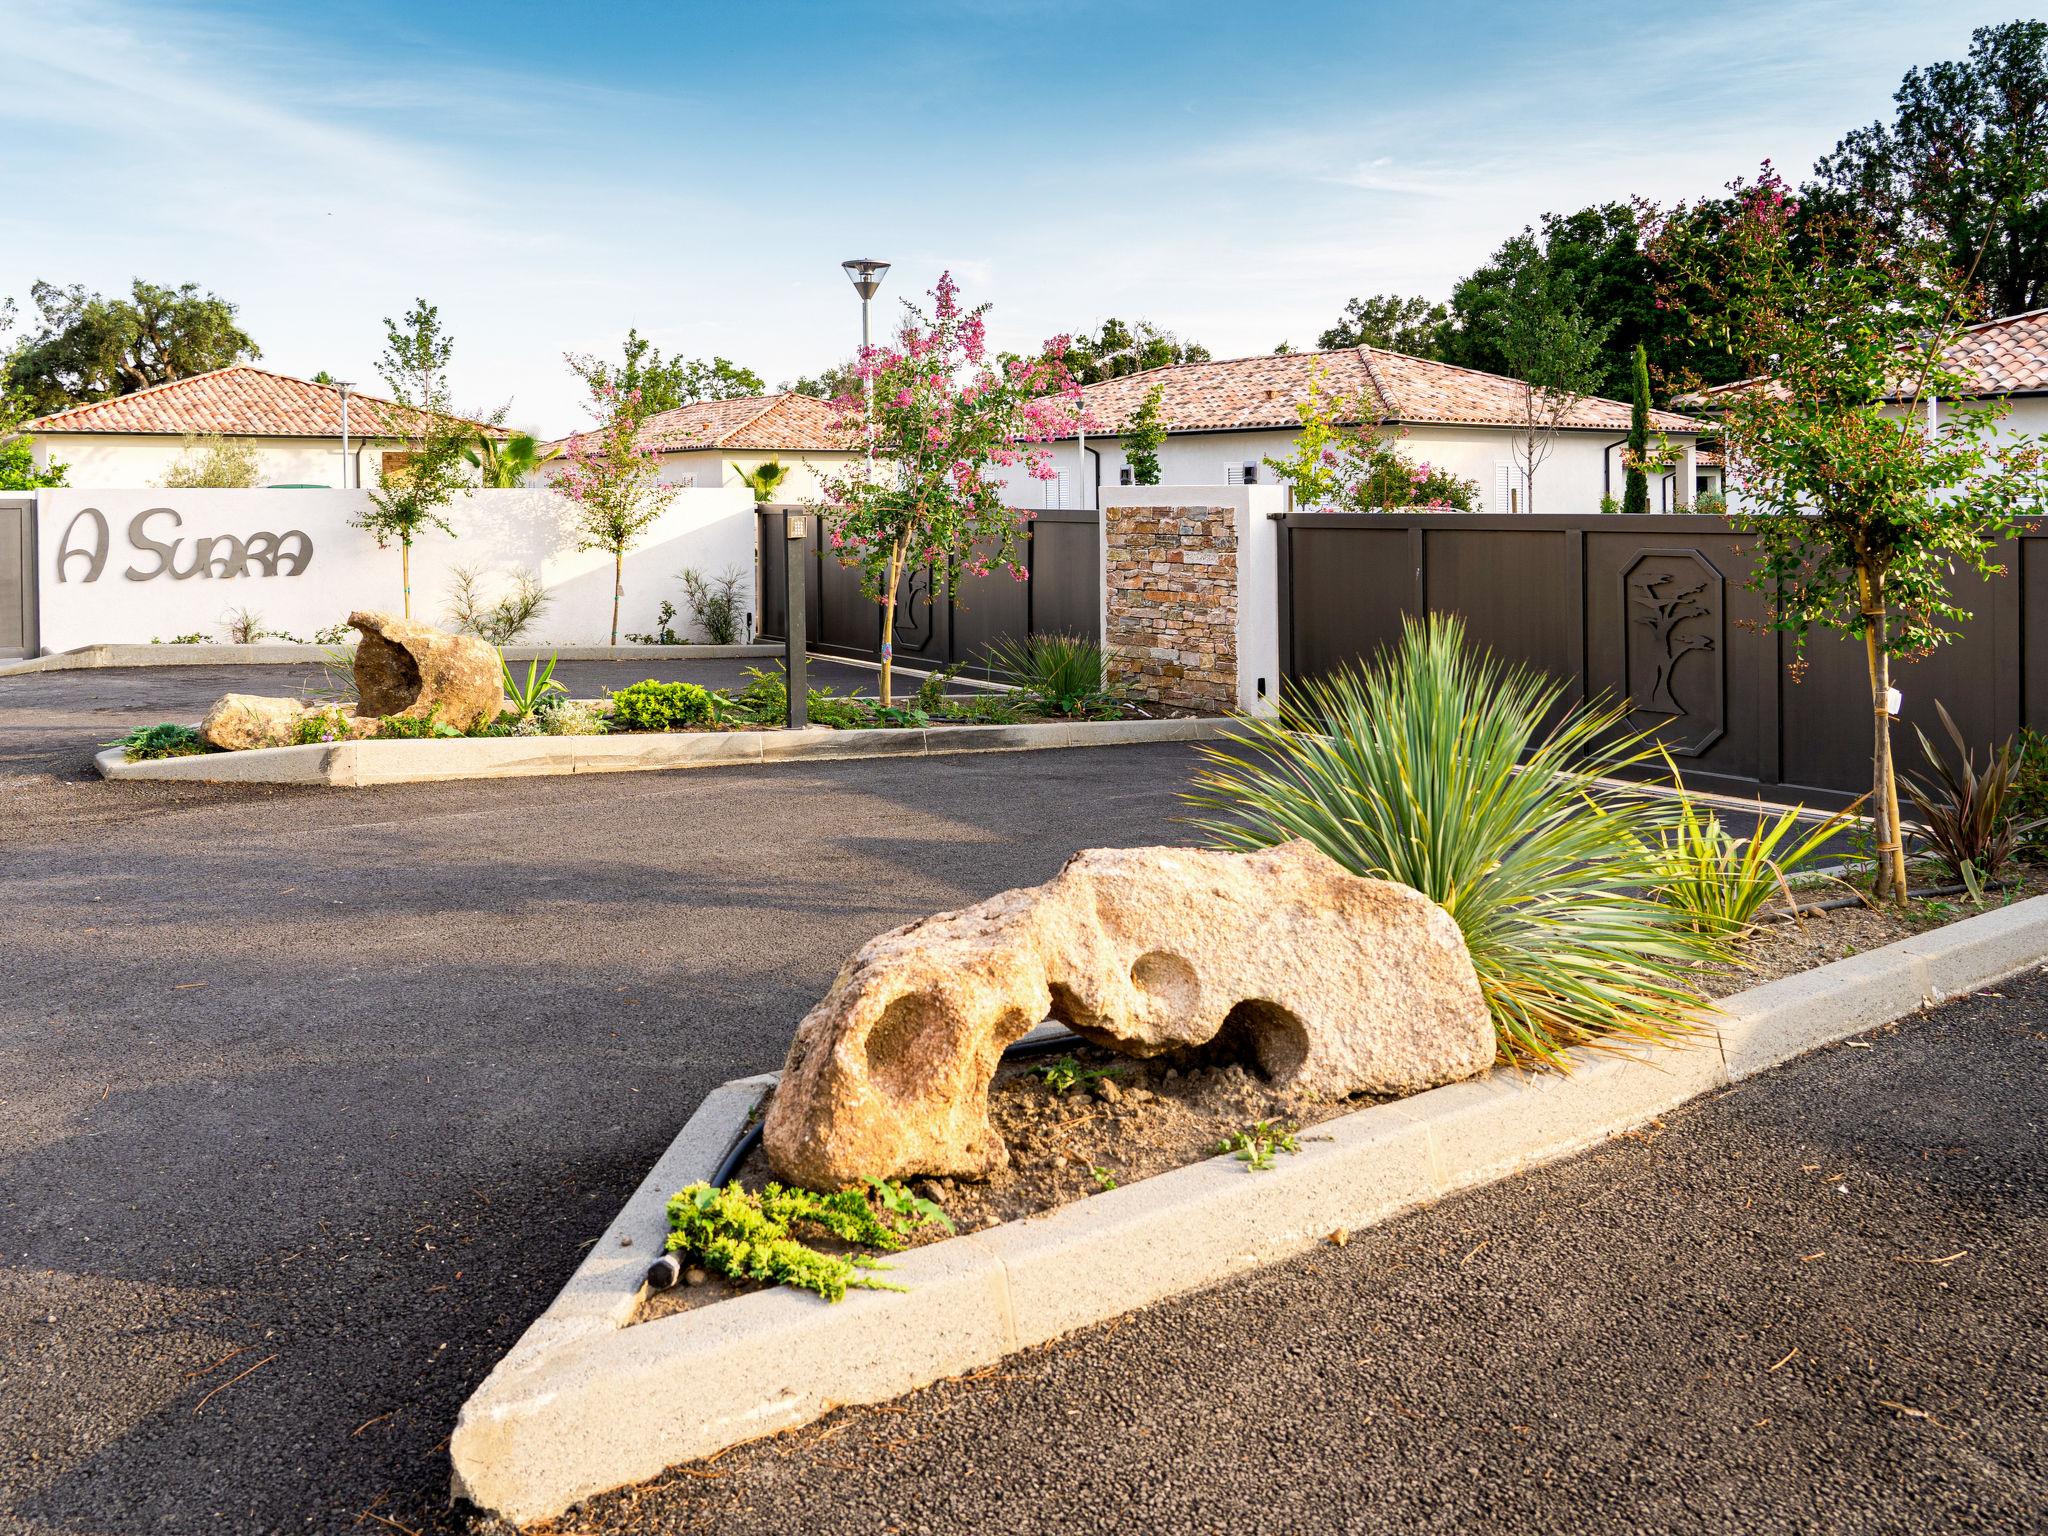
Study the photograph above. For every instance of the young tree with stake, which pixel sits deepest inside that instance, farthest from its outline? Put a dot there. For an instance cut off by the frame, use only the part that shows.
(942, 411)
(415, 369)
(1866, 467)
(613, 482)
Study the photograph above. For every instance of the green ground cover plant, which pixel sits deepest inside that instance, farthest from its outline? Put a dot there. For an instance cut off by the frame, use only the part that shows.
(1258, 1142)
(147, 742)
(1431, 767)
(750, 1236)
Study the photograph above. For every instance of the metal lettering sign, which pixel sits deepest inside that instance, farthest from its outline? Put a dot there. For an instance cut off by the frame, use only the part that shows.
(162, 552)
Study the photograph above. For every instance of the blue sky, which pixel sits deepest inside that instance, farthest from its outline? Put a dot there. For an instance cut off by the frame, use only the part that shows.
(550, 174)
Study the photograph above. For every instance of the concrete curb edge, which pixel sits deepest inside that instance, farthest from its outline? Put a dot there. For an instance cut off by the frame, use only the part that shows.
(359, 764)
(582, 1403)
(87, 657)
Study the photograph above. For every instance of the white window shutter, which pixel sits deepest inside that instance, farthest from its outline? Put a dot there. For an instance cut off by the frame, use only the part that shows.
(1503, 487)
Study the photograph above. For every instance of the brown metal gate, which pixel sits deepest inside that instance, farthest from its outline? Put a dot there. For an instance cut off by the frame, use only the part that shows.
(1657, 609)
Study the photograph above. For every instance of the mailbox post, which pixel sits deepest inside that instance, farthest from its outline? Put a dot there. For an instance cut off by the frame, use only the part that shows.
(794, 641)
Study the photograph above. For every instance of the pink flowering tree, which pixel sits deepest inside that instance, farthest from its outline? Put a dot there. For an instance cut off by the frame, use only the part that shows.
(941, 413)
(613, 482)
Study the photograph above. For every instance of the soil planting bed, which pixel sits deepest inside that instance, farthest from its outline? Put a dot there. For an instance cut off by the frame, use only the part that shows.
(1124, 1120)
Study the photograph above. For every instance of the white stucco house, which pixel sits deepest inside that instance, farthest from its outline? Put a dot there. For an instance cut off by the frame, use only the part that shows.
(1225, 418)
(293, 425)
(711, 443)
(2006, 359)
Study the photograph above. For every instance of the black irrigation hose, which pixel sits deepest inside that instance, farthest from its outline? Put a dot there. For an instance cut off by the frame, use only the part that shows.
(1838, 903)
(666, 1272)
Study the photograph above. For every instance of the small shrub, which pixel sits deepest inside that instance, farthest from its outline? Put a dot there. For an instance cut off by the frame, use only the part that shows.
(664, 627)
(194, 638)
(715, 604)
(1427, 768)
(1965, 817)
(245, 627)
(146, 742)
(857, 712)
(501, 621)
(571, 717)
(658, 706)
(1711, 504)
(1717, 883)
(1060, 674)
(931, 693)
(2028, 794)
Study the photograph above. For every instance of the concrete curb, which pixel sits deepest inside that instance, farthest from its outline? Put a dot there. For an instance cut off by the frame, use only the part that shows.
(86, 657)
(358, 764)
(583, 1403)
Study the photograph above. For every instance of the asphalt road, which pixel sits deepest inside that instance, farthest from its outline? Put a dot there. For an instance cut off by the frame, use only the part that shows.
(310, 1100)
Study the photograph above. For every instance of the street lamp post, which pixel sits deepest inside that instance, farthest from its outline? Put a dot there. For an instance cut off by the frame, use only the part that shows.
(867, 275)
(344, 385)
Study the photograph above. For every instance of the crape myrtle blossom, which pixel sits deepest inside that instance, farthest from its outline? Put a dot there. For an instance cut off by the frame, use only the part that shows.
(943, 412)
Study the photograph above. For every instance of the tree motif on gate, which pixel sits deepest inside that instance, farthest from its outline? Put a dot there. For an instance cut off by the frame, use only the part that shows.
(1672, 609)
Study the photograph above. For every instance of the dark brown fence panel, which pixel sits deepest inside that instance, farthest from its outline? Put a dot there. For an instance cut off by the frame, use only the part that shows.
(1061, 559)
(1657, 609)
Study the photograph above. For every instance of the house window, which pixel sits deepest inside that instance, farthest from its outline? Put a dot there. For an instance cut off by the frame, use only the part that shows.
(1246, 473)
(1123, 476)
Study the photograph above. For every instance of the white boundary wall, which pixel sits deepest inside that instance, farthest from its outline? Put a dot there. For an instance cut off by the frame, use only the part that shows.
(152, 580)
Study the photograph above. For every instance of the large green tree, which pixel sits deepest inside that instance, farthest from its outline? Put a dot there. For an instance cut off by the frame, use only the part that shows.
(661, 383)
(1964, 161)
(89, 346)
(1595, 256)
(1117, 349)
(1395, 322)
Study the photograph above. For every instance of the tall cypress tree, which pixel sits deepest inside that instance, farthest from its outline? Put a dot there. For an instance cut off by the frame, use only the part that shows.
(1635, 495)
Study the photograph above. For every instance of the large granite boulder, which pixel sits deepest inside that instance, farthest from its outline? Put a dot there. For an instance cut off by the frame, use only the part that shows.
(1332, 984)
(239, 722)
(407, 668)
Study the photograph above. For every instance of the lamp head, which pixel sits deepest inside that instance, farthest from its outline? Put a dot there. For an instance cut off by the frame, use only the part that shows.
(867, 275)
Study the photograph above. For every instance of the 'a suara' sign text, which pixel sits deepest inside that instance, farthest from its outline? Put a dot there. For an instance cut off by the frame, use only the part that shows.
(161, 550)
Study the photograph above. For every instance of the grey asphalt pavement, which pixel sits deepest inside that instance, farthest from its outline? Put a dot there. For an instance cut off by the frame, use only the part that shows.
(309, 1101)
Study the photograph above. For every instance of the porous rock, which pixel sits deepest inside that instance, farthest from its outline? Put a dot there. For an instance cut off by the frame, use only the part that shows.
(1331, 984)
(239, 722)
(412, 669)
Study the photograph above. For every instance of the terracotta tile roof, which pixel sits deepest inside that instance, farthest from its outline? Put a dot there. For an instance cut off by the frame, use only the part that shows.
(2006, 356)
(237, 402)
(754, 423)
(1250, 392)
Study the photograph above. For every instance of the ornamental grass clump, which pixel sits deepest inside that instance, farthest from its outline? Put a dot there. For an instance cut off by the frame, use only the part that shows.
(1431, 768)
(1717, 883)
(1061, 674)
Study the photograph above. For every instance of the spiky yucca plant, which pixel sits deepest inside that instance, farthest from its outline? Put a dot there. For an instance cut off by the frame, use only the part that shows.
(1430, 767)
